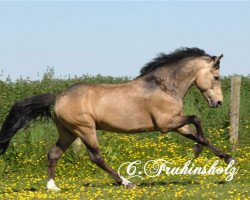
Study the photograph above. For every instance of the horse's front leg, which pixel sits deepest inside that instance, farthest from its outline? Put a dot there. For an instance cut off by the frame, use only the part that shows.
(190, 133)
(179, 121)
(201, 139)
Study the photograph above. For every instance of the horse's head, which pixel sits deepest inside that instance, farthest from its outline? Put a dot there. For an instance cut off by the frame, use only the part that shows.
(208, 81)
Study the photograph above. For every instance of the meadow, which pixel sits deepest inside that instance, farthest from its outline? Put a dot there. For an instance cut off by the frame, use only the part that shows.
(23, 168)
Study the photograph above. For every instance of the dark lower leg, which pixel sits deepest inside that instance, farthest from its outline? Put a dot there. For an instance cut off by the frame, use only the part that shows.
(197, 149)
(95, 157)
(51, 169)
(53, 156)
(218, 152)
(199, 137)
(202, 140)
(208, 144)
(199, 132)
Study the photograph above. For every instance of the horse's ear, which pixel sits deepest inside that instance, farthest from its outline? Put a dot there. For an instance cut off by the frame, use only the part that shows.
(217, 61)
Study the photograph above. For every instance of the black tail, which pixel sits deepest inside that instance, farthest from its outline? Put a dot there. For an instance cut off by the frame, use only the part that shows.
(21, 114)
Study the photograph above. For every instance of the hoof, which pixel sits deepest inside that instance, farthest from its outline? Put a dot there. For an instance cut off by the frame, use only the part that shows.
(127, 183)
(52, 186)
(197, 149)
(57, 189)
(229, 159)
(130, 186)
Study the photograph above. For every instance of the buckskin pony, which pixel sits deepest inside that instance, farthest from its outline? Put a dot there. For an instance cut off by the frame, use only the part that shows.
(153, 101)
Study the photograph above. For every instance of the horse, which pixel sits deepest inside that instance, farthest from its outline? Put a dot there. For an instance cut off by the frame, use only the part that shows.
(153, 101)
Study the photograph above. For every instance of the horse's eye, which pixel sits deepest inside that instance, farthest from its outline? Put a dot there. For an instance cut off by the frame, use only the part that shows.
(216, 78)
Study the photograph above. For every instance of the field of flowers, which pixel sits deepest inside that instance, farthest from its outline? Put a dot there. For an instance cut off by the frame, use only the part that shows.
(80, 179)
(23, 169)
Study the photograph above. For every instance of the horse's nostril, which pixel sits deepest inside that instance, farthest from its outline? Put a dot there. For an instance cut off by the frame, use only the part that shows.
(219, 103)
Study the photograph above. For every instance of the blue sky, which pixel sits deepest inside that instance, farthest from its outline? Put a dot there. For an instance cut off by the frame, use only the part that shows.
(118, 38)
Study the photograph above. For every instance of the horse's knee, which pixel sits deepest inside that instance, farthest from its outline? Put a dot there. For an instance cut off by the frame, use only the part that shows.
(196, 120)
(202, 140)
(99, 160)
(92, 159)
(95, 156)
(55, 153)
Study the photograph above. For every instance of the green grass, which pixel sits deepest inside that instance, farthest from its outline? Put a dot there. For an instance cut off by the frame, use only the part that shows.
(24, 175)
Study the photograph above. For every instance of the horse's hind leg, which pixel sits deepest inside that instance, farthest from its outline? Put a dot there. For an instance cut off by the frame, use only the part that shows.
(66, 138)
(88, 136)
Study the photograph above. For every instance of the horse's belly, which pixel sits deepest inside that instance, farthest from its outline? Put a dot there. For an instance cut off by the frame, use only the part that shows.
(125, 122)
(123, 129)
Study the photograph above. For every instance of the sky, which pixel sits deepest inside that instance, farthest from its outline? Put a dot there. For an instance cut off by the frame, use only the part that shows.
(117, 38)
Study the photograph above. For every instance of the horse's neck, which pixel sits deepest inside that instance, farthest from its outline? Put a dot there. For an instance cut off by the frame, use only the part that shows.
(180, 78)
(184, 85)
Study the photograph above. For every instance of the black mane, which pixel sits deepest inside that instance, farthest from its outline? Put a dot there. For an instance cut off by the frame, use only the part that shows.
(172, 57)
